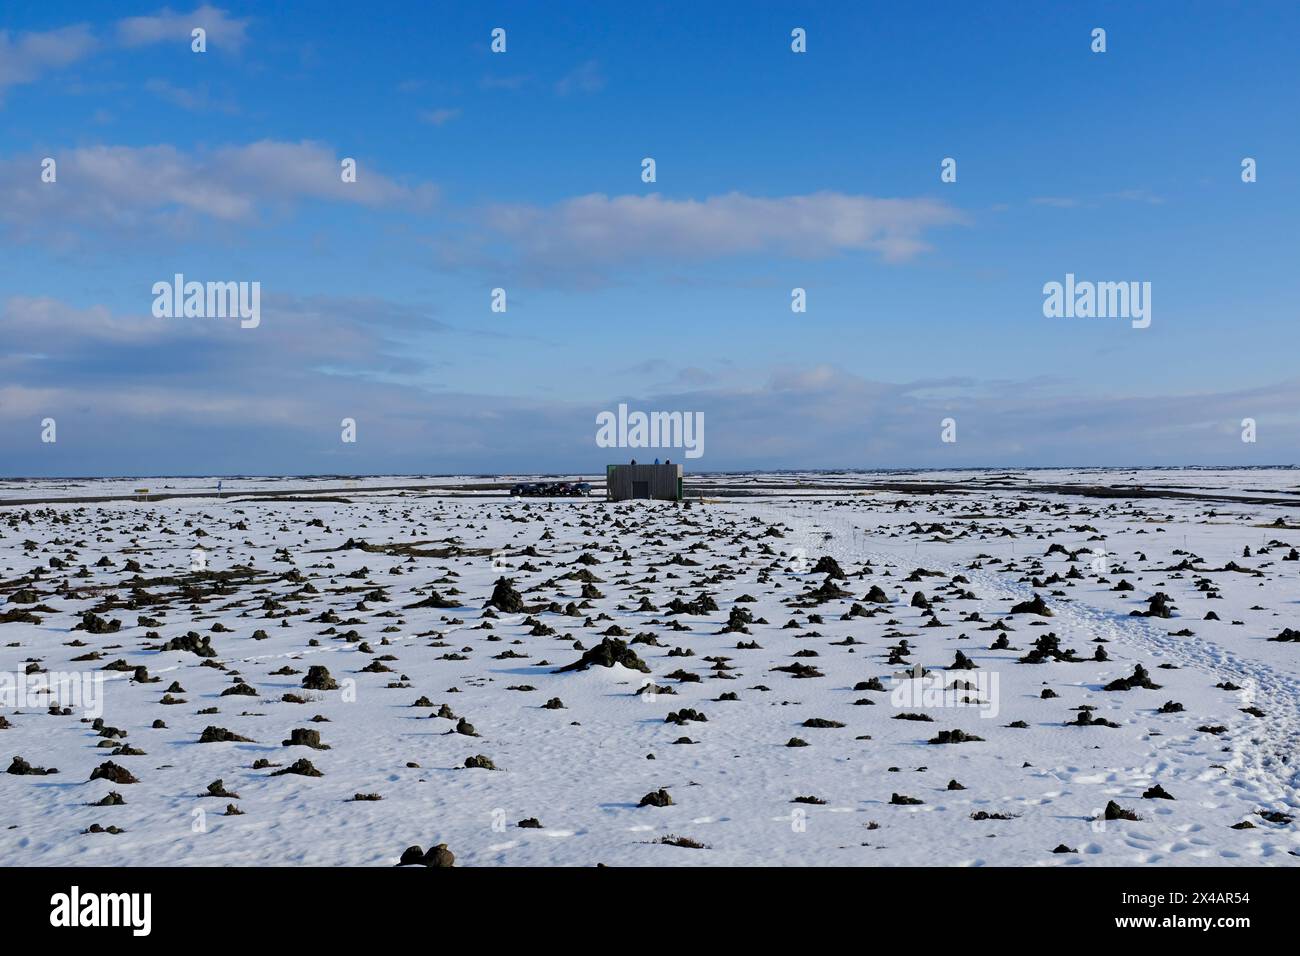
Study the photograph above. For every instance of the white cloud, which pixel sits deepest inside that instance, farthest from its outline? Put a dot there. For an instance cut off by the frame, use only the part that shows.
(195, 99)
(597, 229)
(224, 32)
(351, 335)
(258, 418)
(308, 169)
(1138, 195)
(586, 78)
(161, 187)
(196, 395)
(28, 56)
(47, 325)
(439, 117)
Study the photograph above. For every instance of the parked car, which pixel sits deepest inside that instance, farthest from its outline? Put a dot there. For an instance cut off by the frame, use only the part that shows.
(551, 489)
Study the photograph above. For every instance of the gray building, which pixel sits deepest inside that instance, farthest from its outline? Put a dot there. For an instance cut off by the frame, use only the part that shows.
(661, 482)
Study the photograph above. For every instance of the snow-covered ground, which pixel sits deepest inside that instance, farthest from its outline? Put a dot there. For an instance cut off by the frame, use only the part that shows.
(12, 488)
(282, 592)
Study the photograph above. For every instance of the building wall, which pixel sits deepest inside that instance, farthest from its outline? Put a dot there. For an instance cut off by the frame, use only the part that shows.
(664, 481)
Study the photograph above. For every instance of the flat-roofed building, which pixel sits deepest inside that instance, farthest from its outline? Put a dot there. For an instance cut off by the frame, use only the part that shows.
(657, 482)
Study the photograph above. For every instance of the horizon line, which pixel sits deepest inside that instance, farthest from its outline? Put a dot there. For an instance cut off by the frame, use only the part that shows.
(724, 471)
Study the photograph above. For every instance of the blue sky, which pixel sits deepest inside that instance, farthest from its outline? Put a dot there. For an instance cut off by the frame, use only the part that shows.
(522, 170)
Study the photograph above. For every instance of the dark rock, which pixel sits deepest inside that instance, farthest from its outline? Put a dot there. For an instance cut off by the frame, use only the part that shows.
(610, 651)
(299, 737)
(439, 856)
(1036, 605)
(218, 735)
(318, 678)
(21, 768)
(1115, 812)
(113, 773)
(954, 737)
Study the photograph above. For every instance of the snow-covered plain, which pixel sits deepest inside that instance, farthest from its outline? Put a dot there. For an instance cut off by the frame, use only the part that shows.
(584, 567)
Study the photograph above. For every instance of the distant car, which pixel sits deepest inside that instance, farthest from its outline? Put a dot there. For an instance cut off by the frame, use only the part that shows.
(545, 489)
